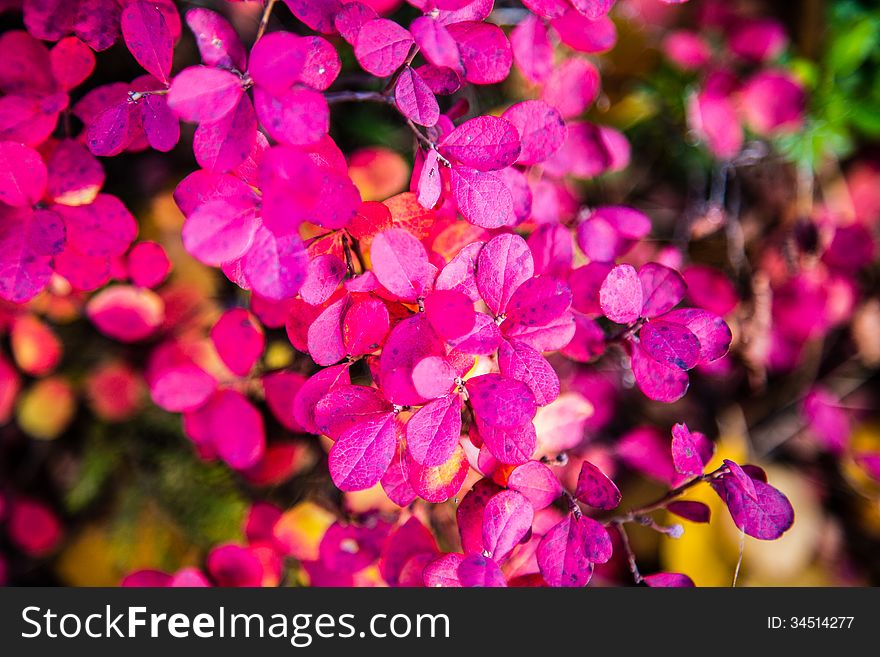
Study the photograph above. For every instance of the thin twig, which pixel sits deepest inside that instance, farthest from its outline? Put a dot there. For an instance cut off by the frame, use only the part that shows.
(356, 97)
(630, 555)
(742, 547)
(264, 20)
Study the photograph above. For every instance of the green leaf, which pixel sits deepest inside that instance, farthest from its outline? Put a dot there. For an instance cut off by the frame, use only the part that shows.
(852, 45)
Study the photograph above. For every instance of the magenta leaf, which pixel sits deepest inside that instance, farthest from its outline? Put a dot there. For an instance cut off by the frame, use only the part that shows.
(827, 419)
(395, 482)
(668, 580)
(345, 406)
(230, 424)
(519, 361)
(103, 228)
(443, 571)
(712, 332)
(277, 61)
(23, 175)
(317, 14)
(500, 401)
(299, 116)
(148, 38)
(433, 377)
(460, 273)
(365, 326)
(430, 182)
(148, 264)
(475, 570)
(72, 62)
(766, 517)
(662, 289)
(160, 124)
(313, 390)
(322, 63)
(537, 302)
(238, 339)
(324, 339)
(670, 343)
(401, 264)
(685, 454)
(436, 484)
(409, 342)
(507, 518)
(451, 313)
(27, 241)
(537, 482)
(504, 264)
(201, 93)
(362, 454)
(621, 295)
(224, 144)
(110, 132)
(482, 197)
(275, 265)
(611, 231)
(741, 479)
(485, 51)
(324, 275)
(541, 129)
(382, 46)
(469, 514)
(414, 98)
(433, 432)
(568, 550)
(658, 381)
(595, 489)
(482, 340)
(693, 511)
(221, 230)
(435, 42)
(512, 446)
(349, 20)
(216, 39)
(532, 50)
(485, 143)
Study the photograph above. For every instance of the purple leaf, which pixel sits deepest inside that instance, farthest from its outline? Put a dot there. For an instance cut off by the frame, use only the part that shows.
(611, 231)
(712, 332)
(23, 175)
(469, 515)
(317, 14)
(669, 343)
(482, 340)
(410, 341)
(519, 361)
(345, 406)
(827, 420)
(693, 511)
(313, 390)
(216, 39)
(148, 38)
(160, 124)
(541, 129)
(668, 580)
(766, 517)
(322, 63)
(537, 302)
(382, 46)
(658, 381)
(110, 131)
(362, 454)
(504, 264)
(102, 228)
(476, 570)
(430, 182)
(401, 264)
(482, 197)
(485, 143)
(741, 479)
(75, 175)
(513, 446)
(685, 454)
(299, 116)
(395, 481)
(537, 482)
(621, 295)
(351, 18)
(662, 289)
(415, 100)
(433, 432)
(443, 571)
(224, 144)
(201, 93)
(501, 402)
(595, 489)
(568, 550)
(27, 239)
(507, 519)
(552, 336)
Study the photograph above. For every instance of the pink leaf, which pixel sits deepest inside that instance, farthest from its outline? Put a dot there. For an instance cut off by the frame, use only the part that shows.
(595, 489)
(433, 432)
(485, 143)
(345, 406)
(436, 484)
(541, 129)
(658, 381)
(349, 20)
(322, 63)
(501, 402)
(741, 479)
(110, 132)
(433, 377)
(232, 425)
(27, 240)
(476, 570)
(201, 93)
(662, 289)
(160, 124)
(224, 144)
(519, 361)
(507, 518)
(482, 340)
(102, 228)
(220, 231)
(238, 339)
(148, 38)
(485, 51)
(410, 341)
(216, 39)
(317, 14)
(450, 312)
(23, 175)
(504, 264)
(621, 295)
(443, 571)
(126, 314)
(537, 302)
(671, 344)
(435, 42)
(414, 98)
(382, 46)
(482, 197)
(365, 326)
(532, 49)
(324, 275)
(537, 482)
(712, 332)
(395, 481)
(668, 580)
(275, 265)
(593, 9)
(460, 273)
(568, 550)
(512, 446)
(685, 454)
(148, 264)
(693, 511)
(72, 62)
(299, 116)
(572, 87)
(362, 454)
(277, 61)
(313, 390)
(766, 516)
(325, 342)
(430, 182)
(585, 35)
(401, 264)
